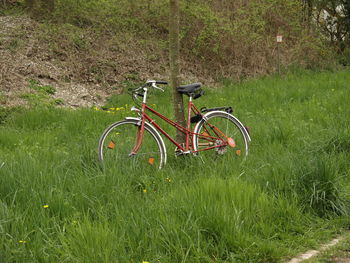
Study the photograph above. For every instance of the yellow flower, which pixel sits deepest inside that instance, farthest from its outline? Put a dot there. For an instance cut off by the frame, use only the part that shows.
(22, 241)
(144, 261)
(45, 206)
(145, 190)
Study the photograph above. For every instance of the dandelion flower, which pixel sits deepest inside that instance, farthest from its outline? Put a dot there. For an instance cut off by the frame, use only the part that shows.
(45, 206)
(144, 261)
(145, 190)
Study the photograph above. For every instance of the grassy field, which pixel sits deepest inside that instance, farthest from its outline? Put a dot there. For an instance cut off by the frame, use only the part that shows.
(57, 204)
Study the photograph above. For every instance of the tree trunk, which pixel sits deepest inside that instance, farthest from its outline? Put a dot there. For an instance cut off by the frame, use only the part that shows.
(309, 13)
(174, 50)
(346, 5)
(308, 8)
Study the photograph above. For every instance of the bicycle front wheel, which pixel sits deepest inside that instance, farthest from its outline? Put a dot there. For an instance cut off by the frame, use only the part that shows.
(118, 141)
(221, 136)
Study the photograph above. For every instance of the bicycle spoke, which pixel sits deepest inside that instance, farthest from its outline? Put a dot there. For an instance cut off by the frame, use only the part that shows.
(221, 139)
(117, 147)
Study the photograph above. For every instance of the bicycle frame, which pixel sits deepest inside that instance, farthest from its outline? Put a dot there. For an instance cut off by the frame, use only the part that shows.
(187, 148)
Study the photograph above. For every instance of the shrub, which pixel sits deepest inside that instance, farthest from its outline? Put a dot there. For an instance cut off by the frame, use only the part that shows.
(226, 38)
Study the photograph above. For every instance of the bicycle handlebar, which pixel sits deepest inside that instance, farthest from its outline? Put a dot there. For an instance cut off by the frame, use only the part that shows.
(162, 82)
(149, 83)
(153, 84)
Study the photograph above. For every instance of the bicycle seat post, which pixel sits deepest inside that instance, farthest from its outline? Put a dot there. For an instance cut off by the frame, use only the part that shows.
(189, 108)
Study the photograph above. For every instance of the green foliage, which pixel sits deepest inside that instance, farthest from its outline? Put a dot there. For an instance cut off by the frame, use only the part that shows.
(226, 38)
(59, 101)
(319, 183)
(5, 113)
(59, 204)
(11, 8)
(41, 95)
(336, 24)
(344, 57)
(40, 88)
(14, 44)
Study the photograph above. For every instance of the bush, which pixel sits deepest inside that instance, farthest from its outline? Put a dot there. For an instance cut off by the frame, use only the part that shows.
(224, 38)
(5, 113)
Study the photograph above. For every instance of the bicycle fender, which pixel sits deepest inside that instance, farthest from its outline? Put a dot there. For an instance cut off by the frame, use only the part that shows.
(135, 119)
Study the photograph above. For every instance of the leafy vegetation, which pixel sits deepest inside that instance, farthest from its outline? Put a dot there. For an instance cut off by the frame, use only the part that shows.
(45, 89)
(59, 204)
(40, 95)
(220, 38)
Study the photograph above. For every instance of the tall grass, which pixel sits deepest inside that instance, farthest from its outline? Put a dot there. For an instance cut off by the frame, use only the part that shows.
(58, 204)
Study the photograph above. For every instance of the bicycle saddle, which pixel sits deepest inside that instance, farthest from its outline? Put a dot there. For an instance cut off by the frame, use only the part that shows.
(189, 89)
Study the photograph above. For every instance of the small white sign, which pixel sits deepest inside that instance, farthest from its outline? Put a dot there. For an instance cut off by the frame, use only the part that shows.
(279, 39)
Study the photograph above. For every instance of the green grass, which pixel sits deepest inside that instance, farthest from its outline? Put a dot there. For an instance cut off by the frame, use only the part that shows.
(290, 194)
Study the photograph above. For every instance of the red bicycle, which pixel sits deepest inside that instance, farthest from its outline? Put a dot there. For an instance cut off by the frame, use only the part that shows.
(137, 141)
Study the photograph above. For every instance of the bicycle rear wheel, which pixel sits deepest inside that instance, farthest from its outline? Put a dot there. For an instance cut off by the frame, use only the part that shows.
(221, 136)
(118, 140)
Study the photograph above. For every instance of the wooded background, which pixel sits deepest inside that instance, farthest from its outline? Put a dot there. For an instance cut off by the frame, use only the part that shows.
(220, 37)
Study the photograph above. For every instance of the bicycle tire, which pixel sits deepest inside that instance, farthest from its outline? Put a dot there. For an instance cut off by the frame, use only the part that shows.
(231, 127)
(117, 141)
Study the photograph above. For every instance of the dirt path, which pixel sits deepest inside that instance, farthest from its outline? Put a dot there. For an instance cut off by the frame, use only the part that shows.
(312, 254)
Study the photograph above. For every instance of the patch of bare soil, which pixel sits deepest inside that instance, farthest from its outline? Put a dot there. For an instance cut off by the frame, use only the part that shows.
(84, 68)
(344, 258)
(23, 57)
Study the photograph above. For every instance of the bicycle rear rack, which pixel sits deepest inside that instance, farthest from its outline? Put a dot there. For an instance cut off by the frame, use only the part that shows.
(227, 109)
(198, 117)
